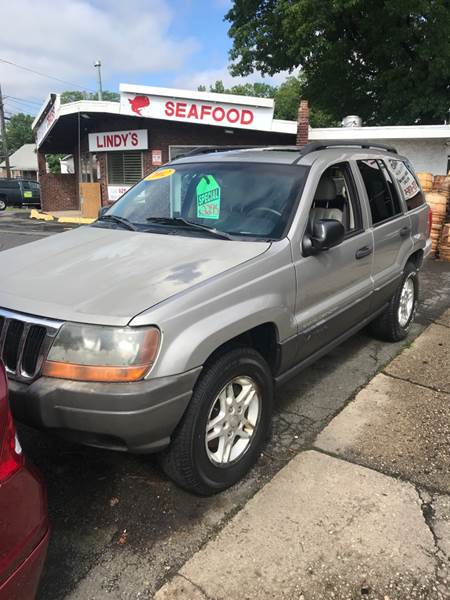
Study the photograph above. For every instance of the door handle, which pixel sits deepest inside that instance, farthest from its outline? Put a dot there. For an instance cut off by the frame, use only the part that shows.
(362, 252)
(404, 231)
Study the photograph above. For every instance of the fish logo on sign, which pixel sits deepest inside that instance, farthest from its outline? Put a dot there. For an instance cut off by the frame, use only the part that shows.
(138, 103)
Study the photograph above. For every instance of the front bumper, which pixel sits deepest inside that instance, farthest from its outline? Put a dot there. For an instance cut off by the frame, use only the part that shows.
(135, 417)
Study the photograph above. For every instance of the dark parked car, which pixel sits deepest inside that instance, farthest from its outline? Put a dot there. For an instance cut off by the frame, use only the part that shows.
(23, 512)
(19, 192)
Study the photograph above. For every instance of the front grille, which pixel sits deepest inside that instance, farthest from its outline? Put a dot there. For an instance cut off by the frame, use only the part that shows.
(24, 343)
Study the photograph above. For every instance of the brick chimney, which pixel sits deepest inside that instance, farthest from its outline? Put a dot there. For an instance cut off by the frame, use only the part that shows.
(303, 123)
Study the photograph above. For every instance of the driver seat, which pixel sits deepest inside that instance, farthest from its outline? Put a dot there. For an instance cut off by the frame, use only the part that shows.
(326, 195)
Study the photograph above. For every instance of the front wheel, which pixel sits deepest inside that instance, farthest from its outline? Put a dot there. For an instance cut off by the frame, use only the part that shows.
(395, 321)
(2, 204)
(225, 425)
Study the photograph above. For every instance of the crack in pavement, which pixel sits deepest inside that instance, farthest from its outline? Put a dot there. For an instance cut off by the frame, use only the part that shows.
(439, 554)
(200, 589)
(421, 385)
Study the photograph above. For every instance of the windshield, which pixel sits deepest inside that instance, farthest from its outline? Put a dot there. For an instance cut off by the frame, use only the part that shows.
(242, 199)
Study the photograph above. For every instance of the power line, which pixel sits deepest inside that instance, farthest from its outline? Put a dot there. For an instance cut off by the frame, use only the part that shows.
(23, 100)
(9, 62)
(19, 104)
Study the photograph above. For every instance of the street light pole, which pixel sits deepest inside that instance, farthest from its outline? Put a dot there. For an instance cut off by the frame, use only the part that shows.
(98, 66)
(3, 134)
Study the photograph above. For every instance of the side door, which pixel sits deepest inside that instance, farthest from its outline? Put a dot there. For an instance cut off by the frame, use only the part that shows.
(334, 287)
(16, 192)
(391, 228)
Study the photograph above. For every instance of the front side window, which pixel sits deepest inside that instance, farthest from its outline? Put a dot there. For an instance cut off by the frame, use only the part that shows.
(335, 198)
(408, 183)
(383, 200)
(244, 199)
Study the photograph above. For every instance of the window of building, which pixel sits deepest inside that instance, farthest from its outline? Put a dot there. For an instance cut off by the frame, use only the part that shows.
(408, 183)
(383, 199)
(124, 168)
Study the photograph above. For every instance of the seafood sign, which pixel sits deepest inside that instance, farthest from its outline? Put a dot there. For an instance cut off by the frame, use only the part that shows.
(197, 107)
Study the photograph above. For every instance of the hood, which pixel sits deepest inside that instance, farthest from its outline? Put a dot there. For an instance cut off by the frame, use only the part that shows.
(107, 276)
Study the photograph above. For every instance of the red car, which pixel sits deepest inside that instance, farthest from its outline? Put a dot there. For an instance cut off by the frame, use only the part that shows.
(24, 524)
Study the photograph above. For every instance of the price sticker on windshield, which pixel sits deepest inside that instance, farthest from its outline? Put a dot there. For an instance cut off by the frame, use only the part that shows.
(160, 174)
(208, 198)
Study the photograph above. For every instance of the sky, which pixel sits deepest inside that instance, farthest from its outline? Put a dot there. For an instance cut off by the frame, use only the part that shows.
(170, 43)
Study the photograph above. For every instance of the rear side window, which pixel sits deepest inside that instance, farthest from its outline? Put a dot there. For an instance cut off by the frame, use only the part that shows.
(408, 183)
(10, 185)
(383, 198)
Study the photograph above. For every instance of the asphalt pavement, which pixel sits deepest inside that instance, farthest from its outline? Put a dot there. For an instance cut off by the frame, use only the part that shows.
(121, 529)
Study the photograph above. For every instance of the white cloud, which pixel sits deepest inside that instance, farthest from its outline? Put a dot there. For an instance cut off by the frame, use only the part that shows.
(63, 39)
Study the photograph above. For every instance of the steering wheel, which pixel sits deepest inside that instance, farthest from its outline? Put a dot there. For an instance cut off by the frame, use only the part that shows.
(265, 209)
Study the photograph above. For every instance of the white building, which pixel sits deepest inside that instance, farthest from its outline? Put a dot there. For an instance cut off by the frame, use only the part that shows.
(426, 146)
(23, 163)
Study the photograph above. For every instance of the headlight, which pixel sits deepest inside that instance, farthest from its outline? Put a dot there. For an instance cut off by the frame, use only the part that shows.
(96, 353)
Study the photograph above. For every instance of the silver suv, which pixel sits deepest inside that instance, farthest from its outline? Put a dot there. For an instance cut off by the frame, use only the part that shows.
(166, 325)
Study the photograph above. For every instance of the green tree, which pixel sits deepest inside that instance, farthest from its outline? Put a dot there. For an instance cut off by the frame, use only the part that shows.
(18, 131)
(388, 61)
(287, 98)
(54, 166)
(76, 96)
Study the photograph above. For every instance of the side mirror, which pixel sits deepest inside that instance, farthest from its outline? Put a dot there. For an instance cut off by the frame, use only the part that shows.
(326, 234)
(102, 210)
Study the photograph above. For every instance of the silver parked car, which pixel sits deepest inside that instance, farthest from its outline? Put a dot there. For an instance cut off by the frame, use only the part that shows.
(165, 326)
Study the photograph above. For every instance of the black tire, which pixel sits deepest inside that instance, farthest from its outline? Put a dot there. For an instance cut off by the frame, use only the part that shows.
(387, 326)
(3, 203)
(186, 460)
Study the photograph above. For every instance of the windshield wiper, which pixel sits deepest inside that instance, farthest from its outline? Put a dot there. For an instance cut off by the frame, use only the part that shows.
(181, 222)
(120, 220)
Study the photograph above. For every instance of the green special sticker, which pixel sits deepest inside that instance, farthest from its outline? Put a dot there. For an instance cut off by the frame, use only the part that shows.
(208, 198)
(28, 194)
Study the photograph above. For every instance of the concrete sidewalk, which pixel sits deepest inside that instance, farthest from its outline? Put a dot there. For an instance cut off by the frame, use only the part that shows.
(364, 514)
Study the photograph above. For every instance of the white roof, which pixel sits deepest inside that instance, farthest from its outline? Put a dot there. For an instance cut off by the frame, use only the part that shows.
(23, 159)
(386, 132)
(277, 125)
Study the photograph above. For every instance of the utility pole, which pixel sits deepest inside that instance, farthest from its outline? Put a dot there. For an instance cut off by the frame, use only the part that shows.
(3, 133)
(98, 66)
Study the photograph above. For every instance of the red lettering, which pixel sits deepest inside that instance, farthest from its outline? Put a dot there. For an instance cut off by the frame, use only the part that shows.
(193, 113)
(246, 117)
(109, 141)
(235, 114)
(169, 110)
(204, 111)
(134, 139)
(218, 114)
(181, 109)
(99, 145)
(117, 141)
(124, 138)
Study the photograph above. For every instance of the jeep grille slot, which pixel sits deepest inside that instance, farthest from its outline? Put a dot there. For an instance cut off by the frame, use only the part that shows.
(24, 343)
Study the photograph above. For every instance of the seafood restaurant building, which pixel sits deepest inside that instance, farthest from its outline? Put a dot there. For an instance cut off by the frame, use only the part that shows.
(109, 146)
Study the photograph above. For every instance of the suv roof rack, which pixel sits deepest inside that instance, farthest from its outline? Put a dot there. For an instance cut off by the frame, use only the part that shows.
(302, 151)
(315, 146)
(208, 149)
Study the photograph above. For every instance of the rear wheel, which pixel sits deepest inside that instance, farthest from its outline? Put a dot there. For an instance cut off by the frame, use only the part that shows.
(225, 425)
(395, 321)
(2, 203)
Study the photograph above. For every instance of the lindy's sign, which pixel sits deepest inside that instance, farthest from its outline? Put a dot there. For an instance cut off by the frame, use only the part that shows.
(135, 139)
(197, 107)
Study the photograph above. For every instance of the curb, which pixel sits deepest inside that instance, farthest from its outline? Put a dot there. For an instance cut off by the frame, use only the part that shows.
(35, 214)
